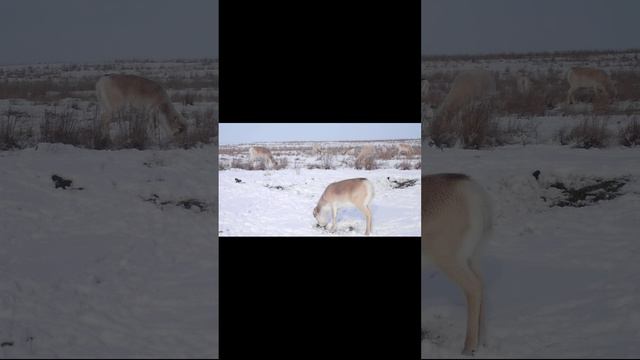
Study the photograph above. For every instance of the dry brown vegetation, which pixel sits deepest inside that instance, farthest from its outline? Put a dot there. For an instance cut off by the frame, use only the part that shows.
(630, 134)
(590, 133)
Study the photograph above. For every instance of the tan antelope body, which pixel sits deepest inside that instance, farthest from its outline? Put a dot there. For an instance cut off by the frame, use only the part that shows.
(358, 192)
(261, 154)
(456, 218)
(585, 77)
(118, 92)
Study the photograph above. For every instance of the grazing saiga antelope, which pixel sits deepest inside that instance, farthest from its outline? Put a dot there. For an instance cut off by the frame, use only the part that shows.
(117, 92)
(259, 153)
(585, 77)
(456, 219)
(358, 192)
(316, 149)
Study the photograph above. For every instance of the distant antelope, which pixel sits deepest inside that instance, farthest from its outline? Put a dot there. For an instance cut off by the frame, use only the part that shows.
(467, 87)
(366, 152)
(117, 92)
(523, 83)
(456, 218)
(405, 149)
(358, 192)
(584, 77)
(262, 154)
(316, 149)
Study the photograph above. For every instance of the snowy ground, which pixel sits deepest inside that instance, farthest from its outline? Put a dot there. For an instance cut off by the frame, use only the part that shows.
(560, 281)
(119, 267)
(256, 207)
(281, 202)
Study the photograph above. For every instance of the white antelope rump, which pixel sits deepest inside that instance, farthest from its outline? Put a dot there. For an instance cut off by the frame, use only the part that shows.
(358, 192)
(456, 219)
(591, 78)
(405, 149)
(118, 92)
(262, 154)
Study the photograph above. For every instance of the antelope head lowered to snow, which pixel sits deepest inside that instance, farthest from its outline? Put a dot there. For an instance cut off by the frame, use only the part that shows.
(262, 154)
(456, 219)
(357, 192)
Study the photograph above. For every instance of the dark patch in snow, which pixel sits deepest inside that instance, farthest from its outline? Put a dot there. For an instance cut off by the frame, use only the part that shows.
(63, 183)
(603, 189)
(187, 204)
(277, 187)
(431, 337)
(6, 343)
(401, 183)
(238, 180)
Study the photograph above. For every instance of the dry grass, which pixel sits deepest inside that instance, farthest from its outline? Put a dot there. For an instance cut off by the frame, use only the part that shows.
(204, 129)
(387, 153)
(11, 136)
(591, 132)
(237, 163)
(62, 127)
(472, 126)
(366, 162)
(133, 126)
(630, 134)
(281, 163)
(8, 134)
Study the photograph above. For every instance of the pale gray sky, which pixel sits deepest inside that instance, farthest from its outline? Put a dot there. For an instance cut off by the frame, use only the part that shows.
(99, 30)
(249, 133)
(490, 26)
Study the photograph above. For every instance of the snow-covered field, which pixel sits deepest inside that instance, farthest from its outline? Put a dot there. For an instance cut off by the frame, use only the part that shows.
(281, 202)
(122, 263)
(561, 281)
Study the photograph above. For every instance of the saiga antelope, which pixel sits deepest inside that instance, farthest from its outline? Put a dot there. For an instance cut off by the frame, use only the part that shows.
(117, 92)
(405, 149)
(596, 79)
(358, 192)
(456, 219)
(259, 153)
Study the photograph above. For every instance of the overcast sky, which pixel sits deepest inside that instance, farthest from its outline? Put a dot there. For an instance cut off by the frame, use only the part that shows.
(489, 26)
(250, 133)
(100, 30)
